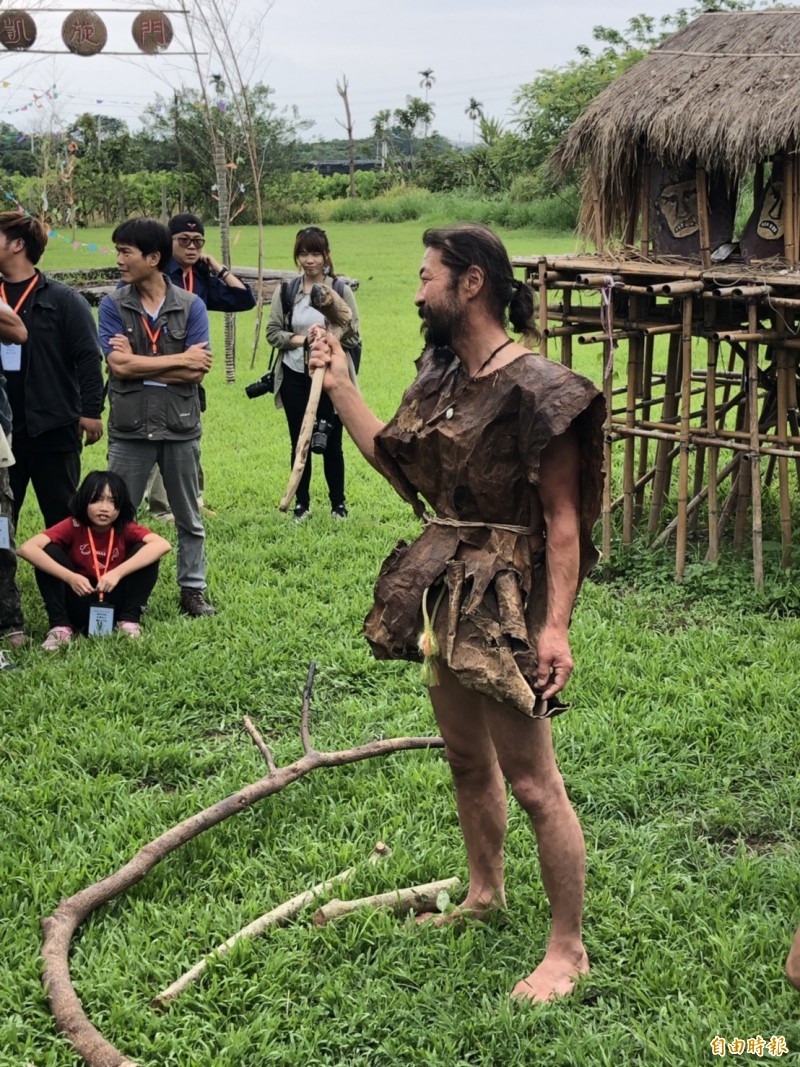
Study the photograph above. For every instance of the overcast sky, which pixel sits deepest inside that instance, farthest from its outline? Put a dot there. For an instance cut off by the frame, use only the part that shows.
(475, 48)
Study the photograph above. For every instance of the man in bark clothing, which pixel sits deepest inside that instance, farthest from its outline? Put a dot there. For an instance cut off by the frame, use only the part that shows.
(156, 340)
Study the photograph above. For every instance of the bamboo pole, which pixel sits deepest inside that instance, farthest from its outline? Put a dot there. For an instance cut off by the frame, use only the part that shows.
(646, 390)
(542, 308)
(701, 182)
(694, 504)
(785, 365)
(635, 346)
(755, 458)
(663, 467)
(673, 288)
(618, 432)
(566, 344)
(685, 412)
(713, 453)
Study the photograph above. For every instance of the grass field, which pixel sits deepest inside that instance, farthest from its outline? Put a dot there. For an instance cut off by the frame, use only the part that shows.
(681, 755)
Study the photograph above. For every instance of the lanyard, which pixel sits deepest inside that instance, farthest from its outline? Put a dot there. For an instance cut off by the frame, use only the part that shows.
(153, 336)
(97, 570)
(188, 280)
(24, 296)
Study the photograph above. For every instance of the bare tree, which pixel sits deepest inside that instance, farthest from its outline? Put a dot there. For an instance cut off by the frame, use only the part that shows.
(341, 89)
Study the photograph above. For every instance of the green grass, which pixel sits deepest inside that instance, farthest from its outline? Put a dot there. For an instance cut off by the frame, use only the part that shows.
(680, 754)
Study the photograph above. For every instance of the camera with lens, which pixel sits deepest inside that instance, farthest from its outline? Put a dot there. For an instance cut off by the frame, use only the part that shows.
(319, 438)
(265, 384)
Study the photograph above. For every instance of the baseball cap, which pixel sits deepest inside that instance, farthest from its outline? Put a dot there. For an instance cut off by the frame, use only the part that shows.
(186, 222)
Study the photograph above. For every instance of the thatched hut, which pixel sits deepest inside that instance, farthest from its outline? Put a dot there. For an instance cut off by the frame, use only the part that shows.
(713, 105)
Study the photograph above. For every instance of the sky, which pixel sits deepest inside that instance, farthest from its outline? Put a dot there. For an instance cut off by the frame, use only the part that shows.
(300, 48)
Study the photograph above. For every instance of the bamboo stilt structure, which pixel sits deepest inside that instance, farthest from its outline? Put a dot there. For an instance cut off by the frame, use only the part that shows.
(785, 365)
(635, 350)
(713, 453)
(644, 446)
(566, 344)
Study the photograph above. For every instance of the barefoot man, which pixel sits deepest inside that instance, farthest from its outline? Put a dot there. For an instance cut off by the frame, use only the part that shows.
(498, 451)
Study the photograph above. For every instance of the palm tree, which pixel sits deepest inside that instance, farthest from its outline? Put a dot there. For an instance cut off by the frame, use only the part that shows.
(473, 111)
(428, 81)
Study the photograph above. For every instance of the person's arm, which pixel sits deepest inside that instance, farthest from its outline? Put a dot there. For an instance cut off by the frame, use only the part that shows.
(12, 328)
(358, 420)
(189, 366)
(34, 552)
(83, 344)
(277, 336)
(559, 492)
(155, 546)
(226, 293)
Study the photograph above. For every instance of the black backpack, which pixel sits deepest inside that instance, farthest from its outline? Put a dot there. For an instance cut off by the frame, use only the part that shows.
(289, 292)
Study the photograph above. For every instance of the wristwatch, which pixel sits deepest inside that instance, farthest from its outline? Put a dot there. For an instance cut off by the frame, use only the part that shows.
(222, 272)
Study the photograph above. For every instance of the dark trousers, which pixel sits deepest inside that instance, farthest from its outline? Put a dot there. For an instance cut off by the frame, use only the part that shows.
(64, 608)
(54, 476)
(295, 389)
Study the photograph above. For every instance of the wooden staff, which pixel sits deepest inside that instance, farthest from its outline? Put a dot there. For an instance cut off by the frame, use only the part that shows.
(755, 458)
(337, 315)
(713, 453)
(663, 466)
(635, 348)
(646, 393)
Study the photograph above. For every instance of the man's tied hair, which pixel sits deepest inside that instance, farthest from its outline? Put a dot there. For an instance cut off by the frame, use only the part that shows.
(471, 244)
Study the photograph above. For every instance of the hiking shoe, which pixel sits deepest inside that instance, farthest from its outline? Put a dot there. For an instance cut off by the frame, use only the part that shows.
(301, 512)
(58, 636)
(339, 512)
(16, 638)
(194, 603)
(129, 627)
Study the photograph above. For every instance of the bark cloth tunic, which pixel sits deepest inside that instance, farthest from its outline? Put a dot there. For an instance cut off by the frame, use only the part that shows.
(470, 448)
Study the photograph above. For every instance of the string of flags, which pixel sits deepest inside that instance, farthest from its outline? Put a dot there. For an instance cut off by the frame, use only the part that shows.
(88, 246)
(36, 102)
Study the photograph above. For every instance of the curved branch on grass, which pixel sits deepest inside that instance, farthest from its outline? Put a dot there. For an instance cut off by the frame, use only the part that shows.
(59, 928)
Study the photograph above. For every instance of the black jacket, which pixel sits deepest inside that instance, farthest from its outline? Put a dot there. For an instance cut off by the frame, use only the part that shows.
(62, 359)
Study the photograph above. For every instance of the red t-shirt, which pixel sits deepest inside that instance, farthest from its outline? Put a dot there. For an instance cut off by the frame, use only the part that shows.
(73, 537)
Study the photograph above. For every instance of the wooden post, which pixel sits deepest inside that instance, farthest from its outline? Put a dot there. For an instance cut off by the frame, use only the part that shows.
(703, 218)
(608, 393)
(644, 199)
(785, 364)
(596, 209)
(646, 392)
(789, 246)
(683, 463)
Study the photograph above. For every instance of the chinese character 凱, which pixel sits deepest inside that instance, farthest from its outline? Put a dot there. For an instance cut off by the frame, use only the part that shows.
(15, 32)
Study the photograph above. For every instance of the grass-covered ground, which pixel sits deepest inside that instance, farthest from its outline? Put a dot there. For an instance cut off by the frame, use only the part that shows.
(681, 754)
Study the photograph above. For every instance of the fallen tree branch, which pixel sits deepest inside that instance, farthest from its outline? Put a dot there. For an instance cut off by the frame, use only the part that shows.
(416, 898)
(260, 743)
(277, 917)
(59, 928)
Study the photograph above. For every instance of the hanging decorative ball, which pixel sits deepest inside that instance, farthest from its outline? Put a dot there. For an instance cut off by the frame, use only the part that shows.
(152, 31)
(17, 30)
(84, 33)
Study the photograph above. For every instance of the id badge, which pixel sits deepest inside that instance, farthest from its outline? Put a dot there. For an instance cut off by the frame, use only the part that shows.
(5, 532)
(11, 356)
(101, 620)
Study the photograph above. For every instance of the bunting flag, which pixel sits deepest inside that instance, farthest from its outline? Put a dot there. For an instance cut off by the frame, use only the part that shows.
(86, 246)
(36, 101)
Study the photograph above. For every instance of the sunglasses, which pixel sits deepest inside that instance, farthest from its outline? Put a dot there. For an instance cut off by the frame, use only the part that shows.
(191, 242)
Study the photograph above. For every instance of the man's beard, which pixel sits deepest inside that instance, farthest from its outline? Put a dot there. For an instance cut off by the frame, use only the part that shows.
(442, 327)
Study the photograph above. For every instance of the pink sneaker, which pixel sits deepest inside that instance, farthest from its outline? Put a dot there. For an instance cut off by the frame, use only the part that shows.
(58, 636)
(126, 626)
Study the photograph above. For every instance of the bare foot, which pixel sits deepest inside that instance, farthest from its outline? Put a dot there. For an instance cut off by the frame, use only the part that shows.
(556, 976)
(793, 962)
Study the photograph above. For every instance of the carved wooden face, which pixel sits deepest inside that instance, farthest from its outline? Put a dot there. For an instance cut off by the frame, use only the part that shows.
(770, 217)
(677, 202)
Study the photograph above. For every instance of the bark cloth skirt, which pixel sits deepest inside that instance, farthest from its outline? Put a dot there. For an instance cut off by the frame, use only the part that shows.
(468, 450)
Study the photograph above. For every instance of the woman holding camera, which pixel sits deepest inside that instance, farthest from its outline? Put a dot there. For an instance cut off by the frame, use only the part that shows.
(291, 317)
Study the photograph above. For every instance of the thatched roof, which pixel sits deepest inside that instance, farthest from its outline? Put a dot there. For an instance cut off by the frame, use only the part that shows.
(724, 90)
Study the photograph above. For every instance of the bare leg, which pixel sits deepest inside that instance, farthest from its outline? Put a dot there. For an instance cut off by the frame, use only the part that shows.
(525, 753)
(793, 962)
(479, 787)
